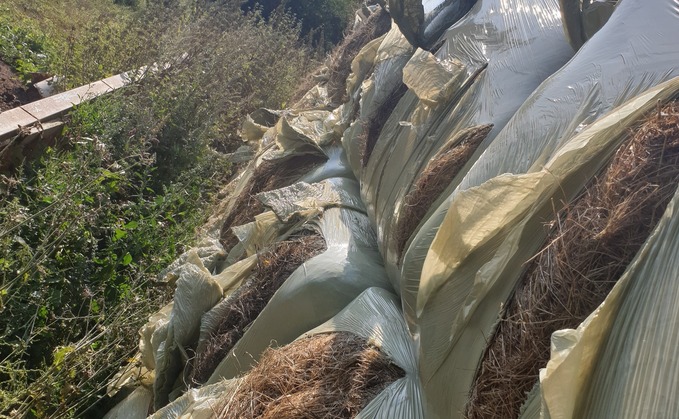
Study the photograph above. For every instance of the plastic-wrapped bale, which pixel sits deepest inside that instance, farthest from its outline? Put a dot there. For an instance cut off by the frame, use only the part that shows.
(315, 292)
(374, 94)
(375, 26)
(478, 77)
(361, 363)
(376, 315)
(620, 362)
(488, 234)
(267, 227)
(224, 324)
(606, 72)
(591, 243)
(299, 143)
(289, 239)
(196, 293)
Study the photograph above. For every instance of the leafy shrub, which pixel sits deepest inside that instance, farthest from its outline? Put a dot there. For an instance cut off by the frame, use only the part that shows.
(24, 48)
(85, 230)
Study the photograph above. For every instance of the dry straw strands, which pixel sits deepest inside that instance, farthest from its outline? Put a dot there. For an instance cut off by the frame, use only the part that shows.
(435, 178)
(374, 125)
(323, 376)
(244, 305)
(591, 244)
(339, 64)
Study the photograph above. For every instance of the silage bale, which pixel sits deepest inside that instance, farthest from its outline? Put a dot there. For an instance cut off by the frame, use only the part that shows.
(591, 243)
(620, 362)
(316, 291)
(325, 375)
(242, 307)
(487, 236)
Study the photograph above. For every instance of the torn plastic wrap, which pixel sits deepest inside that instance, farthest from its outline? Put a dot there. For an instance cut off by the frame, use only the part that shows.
(337, 166)
(490, 62)
(488, 234)
(315, 292)
(376, 316)
(198, 403)
(607, 71)
(267, 228)
(209, 251)
(583, 18)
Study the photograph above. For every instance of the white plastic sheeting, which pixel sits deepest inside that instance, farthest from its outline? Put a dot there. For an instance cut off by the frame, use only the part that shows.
(195, 294)
(135, 406)
(315, 292)
(498, 54)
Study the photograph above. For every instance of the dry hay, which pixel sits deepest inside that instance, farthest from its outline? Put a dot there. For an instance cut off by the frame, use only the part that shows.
(269, 175)
(591, 244)
(244, 305)
(331, 375)
(375, 124)
(339, 63)
(435, 178)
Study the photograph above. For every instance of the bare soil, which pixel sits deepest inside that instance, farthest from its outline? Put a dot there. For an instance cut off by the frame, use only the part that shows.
(13, 92)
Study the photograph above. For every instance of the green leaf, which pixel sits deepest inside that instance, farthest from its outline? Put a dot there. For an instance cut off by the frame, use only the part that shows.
(119, 234)
(127, 259)
(59, 354)
(131, 225)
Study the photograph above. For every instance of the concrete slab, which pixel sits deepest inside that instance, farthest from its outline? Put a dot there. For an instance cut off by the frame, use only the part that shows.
(11, 120)
(116, 82)
(58, 104)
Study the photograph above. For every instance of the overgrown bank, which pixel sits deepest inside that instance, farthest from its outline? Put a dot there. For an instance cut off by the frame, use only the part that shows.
(85, 231)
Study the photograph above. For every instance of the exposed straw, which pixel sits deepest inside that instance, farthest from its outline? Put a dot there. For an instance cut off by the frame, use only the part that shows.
(375, 124)
(244, 305)
(323, 376)
(592, 243)
(268, 176)
(435, 178)
(339, 64)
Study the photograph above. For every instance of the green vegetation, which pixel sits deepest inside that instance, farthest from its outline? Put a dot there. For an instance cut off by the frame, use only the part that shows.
(85, 230)
(323, 21)
(35, 35)
(23, 48)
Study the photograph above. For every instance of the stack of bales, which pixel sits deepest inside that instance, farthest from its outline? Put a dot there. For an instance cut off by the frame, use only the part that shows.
(477, 200)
